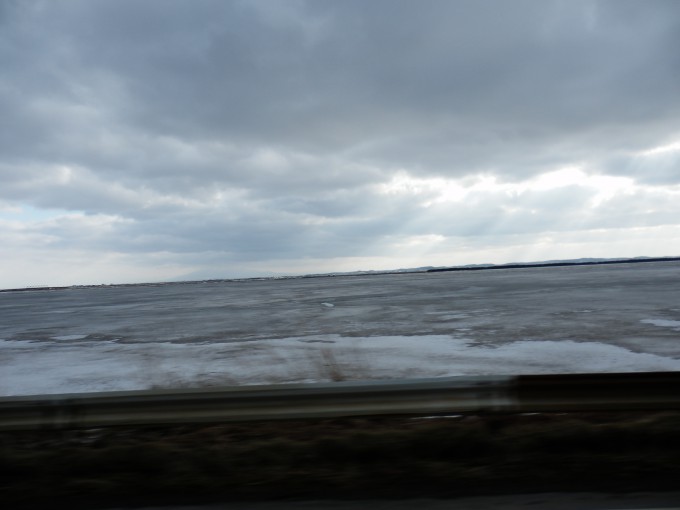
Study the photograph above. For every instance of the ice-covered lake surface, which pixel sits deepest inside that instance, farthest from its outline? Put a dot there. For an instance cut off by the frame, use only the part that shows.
(611, 318)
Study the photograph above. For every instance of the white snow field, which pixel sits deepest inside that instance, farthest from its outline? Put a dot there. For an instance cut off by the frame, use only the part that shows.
(622, 318)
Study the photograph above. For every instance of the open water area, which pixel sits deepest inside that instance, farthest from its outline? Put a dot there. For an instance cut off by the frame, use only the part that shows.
(599, 318)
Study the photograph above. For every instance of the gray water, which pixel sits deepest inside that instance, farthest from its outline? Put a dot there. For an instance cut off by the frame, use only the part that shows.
(613, 318)
(636, 306)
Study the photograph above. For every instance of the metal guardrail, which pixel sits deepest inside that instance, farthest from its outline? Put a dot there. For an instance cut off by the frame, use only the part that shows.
(484, 394)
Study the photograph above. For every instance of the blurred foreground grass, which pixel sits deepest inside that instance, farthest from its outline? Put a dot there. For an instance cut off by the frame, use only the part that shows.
(342, 458)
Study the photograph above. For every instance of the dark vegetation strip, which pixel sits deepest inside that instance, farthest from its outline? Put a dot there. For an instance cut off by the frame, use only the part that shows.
(341, 459)
(530, 265)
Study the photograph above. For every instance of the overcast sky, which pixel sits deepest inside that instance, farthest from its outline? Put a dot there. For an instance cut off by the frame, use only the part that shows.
(147, 140)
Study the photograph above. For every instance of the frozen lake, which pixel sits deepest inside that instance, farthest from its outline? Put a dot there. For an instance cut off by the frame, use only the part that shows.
(554, 319)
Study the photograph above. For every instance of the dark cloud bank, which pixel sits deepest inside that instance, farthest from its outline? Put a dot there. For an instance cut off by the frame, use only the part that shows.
(226, 138)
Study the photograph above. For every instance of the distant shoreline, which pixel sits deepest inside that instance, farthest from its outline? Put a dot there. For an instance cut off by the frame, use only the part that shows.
(485, 267)
(554, 264)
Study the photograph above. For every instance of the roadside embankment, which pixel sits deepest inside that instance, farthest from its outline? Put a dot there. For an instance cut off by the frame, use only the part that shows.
(342, 459)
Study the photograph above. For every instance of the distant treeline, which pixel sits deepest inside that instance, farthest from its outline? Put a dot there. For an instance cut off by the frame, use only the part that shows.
(28, 289)
(554, 264)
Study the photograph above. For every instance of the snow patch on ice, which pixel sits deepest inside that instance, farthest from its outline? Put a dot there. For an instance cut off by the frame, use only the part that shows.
(663, 323)
(35, 368)
(69, 337)
(448, 315)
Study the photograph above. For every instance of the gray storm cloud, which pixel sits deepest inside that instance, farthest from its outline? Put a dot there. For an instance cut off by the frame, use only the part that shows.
(266, 130)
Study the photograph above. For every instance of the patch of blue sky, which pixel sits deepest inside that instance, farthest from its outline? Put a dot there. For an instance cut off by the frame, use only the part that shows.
(30, 214)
